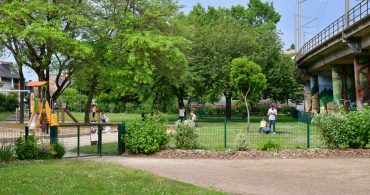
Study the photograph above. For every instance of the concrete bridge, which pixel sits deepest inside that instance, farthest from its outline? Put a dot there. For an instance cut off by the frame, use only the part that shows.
(335, 63)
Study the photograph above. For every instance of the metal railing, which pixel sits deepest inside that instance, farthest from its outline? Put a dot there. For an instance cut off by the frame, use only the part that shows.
(357, 13)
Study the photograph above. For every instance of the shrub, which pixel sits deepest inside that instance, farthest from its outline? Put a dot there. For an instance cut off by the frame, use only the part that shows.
(8, 103)
(46, 151)
(26, 149)
(242, 142)
(147, 136)
(271, 146)
(6, 152)
(360, 126)
(342, 130)
(59, 149)
(185, 135)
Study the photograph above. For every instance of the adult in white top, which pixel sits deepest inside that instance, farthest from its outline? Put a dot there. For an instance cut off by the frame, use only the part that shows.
(272, 117)
(181, 114)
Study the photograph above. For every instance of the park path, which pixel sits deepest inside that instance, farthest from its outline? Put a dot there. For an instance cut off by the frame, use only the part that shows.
(266, 176)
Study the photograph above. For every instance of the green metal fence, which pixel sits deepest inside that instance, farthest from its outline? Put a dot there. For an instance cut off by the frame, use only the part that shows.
(218, 133)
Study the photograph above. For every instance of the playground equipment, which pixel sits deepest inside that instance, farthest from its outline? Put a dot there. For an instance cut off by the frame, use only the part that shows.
(41, 113)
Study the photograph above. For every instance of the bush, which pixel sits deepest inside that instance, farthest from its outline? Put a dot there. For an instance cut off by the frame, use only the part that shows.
(59, 149)
(185, 135)
(147, 136)
(26, 149)
(8, 103)
(6, 152)
(46, 151)
(242, 142)
(271, 146)
(344, 130)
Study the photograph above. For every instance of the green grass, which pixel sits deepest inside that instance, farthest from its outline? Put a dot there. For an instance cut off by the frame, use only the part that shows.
(107, 149)
(85, 177)
(5, 115)
(211, 136)
(290, 135)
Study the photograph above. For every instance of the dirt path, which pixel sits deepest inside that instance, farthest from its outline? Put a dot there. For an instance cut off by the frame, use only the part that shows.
(266, 176)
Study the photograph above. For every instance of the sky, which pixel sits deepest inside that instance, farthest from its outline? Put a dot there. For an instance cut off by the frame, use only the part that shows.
(316, 15)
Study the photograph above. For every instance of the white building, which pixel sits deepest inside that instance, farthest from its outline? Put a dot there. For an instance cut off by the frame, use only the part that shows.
(9, 78)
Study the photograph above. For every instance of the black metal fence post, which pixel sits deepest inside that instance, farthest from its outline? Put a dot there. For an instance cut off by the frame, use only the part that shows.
(26, 132)
(78, 141)
(121, 135)
(53, 134)
(100, 130)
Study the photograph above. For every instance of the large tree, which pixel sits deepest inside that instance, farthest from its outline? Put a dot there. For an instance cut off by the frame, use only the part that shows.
(45, 36)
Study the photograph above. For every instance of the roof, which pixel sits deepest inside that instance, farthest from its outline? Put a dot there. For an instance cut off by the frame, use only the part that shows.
(36, 83)
(5, 71)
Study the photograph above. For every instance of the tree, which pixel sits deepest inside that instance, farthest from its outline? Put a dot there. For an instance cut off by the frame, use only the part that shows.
(45, 36)
(248, 79)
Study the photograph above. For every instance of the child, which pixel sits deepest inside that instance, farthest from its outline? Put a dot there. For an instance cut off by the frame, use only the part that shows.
(105, 119)
(263, 126)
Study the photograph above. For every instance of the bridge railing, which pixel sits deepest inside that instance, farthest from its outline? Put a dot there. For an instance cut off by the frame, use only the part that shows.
(355, 14)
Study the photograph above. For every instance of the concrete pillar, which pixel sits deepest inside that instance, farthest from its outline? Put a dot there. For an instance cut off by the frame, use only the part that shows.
(307, 97)
(315, 94)
(361, 64)
(337, 82)
(325, 91)
(12, 83)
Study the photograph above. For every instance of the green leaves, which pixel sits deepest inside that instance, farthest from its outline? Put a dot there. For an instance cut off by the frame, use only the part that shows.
(247, 77)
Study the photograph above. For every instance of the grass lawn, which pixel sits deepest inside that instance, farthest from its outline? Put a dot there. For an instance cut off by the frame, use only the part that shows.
(290, 135)
(84, 177)
(211, 136)
(107, 149)
(5, 115)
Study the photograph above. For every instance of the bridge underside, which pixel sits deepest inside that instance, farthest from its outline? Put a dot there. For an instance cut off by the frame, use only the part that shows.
(337, 72)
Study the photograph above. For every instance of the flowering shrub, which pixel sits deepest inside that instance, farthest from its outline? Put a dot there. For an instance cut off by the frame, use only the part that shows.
(344, 130)
(185, 135)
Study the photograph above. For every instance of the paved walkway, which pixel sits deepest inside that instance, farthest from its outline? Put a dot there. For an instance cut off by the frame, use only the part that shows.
(267, 176)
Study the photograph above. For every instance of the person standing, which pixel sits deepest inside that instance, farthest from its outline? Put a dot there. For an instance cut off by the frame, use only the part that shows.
(181, 114)
(93, 111)
(193, 117)
(272, 112)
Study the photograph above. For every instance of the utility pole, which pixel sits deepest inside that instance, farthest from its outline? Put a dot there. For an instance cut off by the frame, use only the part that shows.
(299, 25)
(346, 14)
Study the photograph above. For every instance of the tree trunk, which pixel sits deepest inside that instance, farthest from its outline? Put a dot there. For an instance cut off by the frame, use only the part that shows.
(89, 98)
(21, 95)
(228, 97)
(248, 115)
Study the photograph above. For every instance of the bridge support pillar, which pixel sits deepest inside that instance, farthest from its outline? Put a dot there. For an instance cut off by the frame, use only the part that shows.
(315, 94)
(307, 97)
(337, 82)
(325, 91)
(362, 79)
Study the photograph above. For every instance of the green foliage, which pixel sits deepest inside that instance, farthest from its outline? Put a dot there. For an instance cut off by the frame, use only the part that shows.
(59, 149)
(344, 130)
(147, 136)
(74, 99)
(242, 142)
(248, 79)
(46, 151)
(271, 146)
(186, 135)
(8, 103)
(26, 149)
(6, 153)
